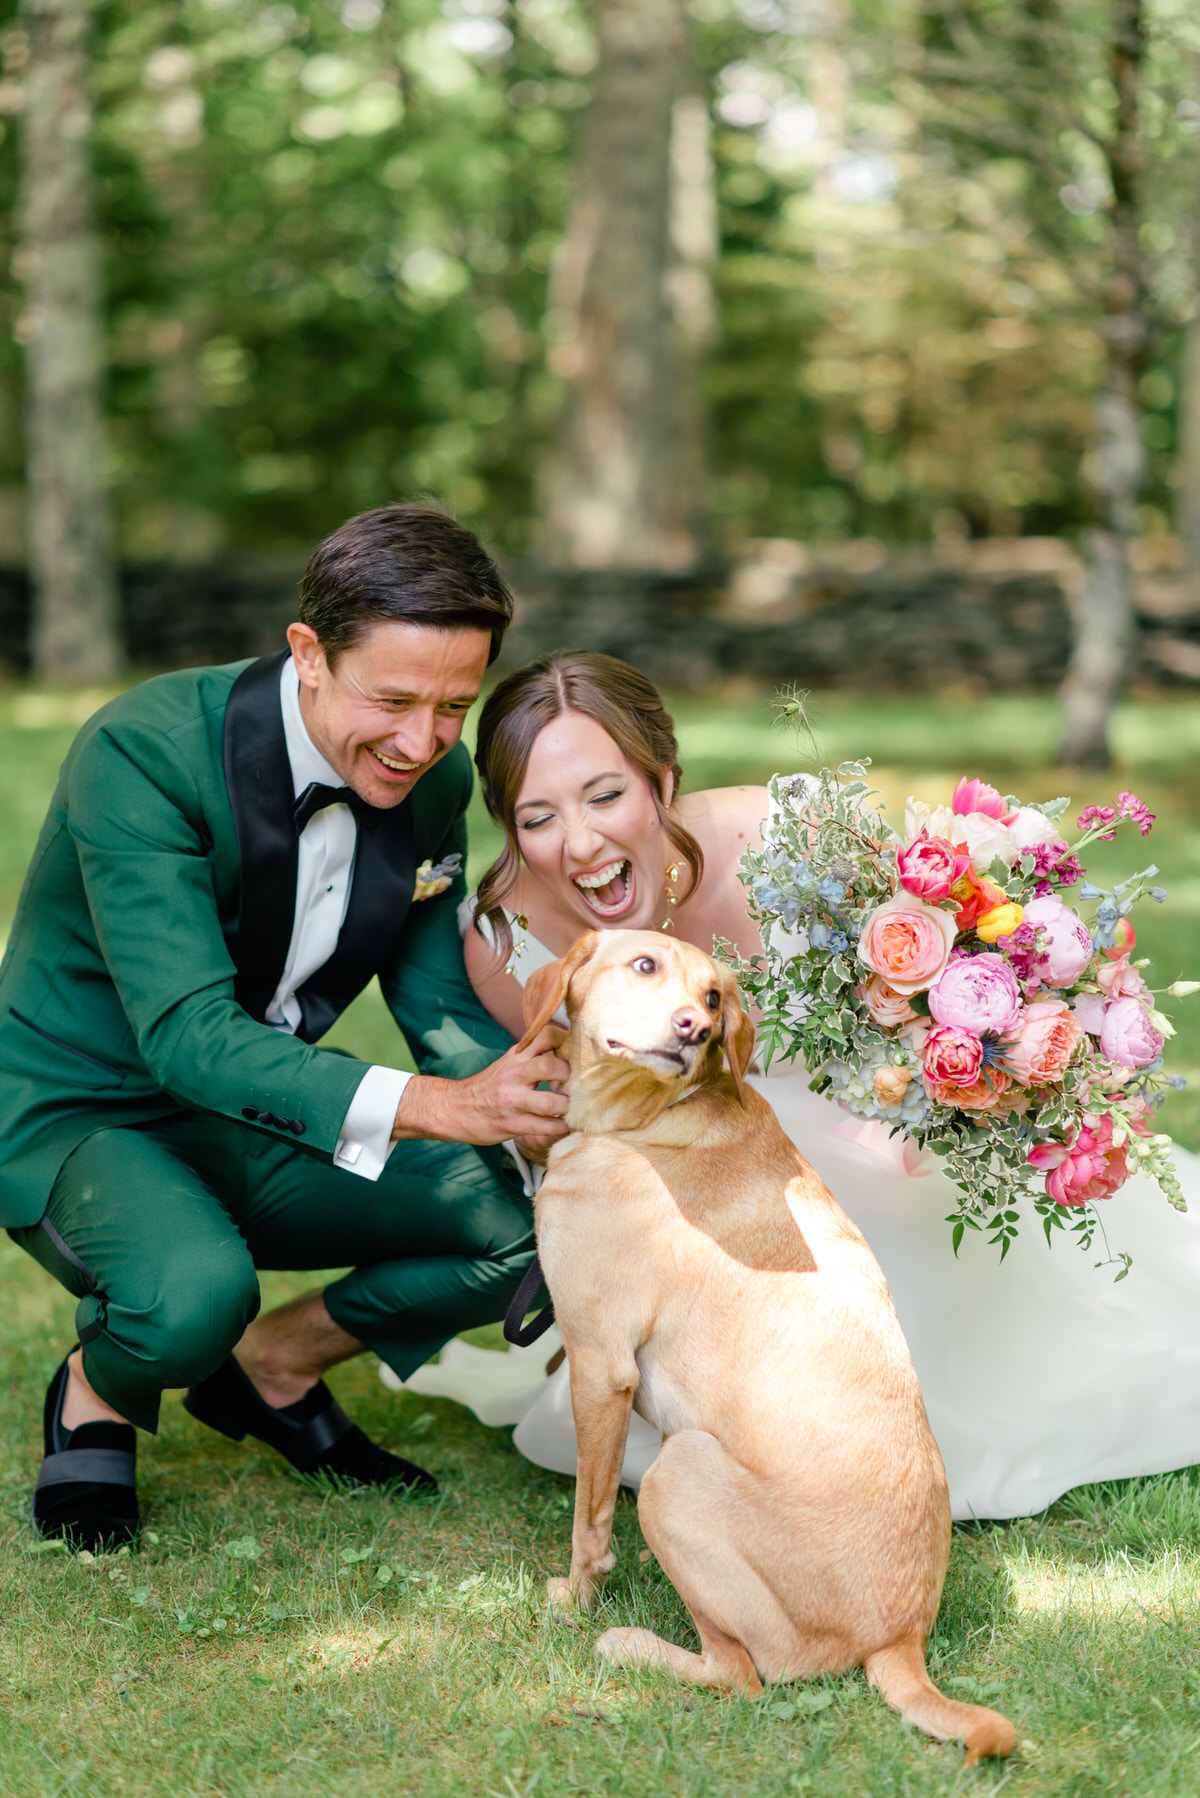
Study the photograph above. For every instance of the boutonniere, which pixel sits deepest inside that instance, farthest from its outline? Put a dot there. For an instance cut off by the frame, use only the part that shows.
(433, 880)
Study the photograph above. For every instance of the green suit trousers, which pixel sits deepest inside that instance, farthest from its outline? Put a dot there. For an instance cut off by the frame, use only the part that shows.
(158, 1229)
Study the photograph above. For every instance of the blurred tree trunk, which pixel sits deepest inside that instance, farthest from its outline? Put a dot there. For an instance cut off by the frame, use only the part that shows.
(1189, 451)
(623, 486)
(1104, 625)
(75, 598)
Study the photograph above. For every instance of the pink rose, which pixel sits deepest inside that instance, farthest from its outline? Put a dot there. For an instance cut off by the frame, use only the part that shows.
(993, 1091)
(1127, 1036)
(887, 1007)
(1089, 1167)
(953, 1057)
(1117, 979)
(1068, 944)
(1044, 1043)
(978, 993)
(930, 866)
(977, 796)
(906, 941)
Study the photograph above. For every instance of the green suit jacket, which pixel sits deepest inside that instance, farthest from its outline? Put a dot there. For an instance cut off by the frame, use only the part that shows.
(149, 930)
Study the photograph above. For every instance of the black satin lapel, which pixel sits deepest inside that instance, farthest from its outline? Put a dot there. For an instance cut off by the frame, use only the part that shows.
(380, 897)
(258, 776)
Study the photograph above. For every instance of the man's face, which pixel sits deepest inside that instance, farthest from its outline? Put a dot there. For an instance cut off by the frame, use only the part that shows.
(392, 706)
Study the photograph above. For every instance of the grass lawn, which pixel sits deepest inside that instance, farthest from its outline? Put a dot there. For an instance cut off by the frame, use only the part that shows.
(268, 1639)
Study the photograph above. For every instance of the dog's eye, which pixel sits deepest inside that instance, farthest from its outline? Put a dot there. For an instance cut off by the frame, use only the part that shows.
(645, 964)
(712, 999)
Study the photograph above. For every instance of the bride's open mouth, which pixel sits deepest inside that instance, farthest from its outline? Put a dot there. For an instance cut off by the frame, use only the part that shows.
(608, 891)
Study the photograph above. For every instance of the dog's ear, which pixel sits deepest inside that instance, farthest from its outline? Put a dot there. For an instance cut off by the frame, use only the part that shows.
(546, 987)
(737, 1034)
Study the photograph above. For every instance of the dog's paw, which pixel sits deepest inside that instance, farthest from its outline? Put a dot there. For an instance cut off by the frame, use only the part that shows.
(629, 1647)
(559, 1595)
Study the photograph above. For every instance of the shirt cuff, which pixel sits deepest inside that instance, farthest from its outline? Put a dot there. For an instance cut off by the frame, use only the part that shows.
(531, 1174)
(365, 1141)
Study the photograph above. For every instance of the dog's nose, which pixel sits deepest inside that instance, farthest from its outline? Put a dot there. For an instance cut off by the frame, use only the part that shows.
(691, 1026)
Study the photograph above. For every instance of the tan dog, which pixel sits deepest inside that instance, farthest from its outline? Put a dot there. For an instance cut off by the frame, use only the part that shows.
(702, 1272)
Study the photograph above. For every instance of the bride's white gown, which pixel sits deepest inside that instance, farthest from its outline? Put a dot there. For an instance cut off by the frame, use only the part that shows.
(1039, 1373)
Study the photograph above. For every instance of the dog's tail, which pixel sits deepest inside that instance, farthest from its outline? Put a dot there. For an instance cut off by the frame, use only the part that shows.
(899, 1672)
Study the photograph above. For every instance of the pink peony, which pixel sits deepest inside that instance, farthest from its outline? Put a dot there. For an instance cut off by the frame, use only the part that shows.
(978, 993)
(953, 1057)
(993, 1091)
(906, 941)
(1044, 1043)
(977, 796)
(1127, 1036)
(887, 1007)
(1067, 947)
(930, 866)
(1089, 1010)
(1089, 1167)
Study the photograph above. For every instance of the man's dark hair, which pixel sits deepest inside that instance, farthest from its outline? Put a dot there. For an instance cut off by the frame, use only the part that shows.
(404, 564)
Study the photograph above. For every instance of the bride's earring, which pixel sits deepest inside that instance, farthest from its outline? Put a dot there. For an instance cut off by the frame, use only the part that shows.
(671, 896)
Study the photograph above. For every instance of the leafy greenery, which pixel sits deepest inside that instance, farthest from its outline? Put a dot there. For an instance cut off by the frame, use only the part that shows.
(328, 230)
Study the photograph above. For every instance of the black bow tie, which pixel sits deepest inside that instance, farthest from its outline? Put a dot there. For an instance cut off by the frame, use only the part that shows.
(316, 797)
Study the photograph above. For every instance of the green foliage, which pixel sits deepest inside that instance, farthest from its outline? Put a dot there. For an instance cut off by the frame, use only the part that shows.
(328, 230)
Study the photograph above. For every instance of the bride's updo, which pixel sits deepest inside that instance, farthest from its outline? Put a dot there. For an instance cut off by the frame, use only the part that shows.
(617, 698)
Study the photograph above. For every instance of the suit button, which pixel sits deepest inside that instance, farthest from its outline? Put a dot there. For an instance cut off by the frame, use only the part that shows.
(251, 1112)
(269, 1118)
(296, 1127)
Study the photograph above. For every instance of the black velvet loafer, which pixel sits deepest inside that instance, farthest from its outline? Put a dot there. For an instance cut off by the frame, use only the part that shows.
(314, 1434)
(86, 1492)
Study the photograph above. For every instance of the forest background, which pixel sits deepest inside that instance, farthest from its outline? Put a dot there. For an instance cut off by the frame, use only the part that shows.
(644, 286)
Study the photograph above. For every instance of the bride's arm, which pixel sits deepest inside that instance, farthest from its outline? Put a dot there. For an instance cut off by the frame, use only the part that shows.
(495, 988)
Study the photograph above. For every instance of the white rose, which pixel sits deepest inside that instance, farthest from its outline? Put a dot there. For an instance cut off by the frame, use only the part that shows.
(1031, 827)
(987, 839)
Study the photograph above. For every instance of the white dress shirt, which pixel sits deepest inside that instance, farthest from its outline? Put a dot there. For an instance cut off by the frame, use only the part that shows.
(324, 870)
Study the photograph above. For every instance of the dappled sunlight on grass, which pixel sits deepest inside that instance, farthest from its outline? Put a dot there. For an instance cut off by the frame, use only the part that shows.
(1118, 1588)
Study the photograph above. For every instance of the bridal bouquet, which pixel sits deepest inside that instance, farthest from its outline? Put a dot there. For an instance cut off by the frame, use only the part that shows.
(945, 980)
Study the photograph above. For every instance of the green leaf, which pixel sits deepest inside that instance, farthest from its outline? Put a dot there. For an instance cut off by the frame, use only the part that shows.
(243, 1548)
(349, 1556)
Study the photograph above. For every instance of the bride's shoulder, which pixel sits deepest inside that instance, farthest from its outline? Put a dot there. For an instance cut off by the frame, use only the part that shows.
(725, 818)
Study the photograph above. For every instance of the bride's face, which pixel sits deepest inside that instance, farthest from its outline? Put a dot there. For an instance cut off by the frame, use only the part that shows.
(588, 829)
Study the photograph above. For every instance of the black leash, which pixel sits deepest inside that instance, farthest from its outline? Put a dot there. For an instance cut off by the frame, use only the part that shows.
(515, 1330)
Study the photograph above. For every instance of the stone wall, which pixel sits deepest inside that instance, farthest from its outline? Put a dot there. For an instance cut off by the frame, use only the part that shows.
(985, 616)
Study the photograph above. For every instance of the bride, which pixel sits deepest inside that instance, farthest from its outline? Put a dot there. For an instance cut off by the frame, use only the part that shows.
(1039, 1373)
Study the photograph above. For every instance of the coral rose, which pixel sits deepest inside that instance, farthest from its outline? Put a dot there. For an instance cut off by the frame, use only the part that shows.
(978, 993)
(1090, 1167)
(953, 1056)
(1127, 1036)
(930, 866)
(1067, 947)
(891, 1084)
(1044, 1043)
(906, 941)
(993, 1091)
(887, 1007)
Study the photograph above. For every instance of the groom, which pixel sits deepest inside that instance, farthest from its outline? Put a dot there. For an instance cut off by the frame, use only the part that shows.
(231, 855)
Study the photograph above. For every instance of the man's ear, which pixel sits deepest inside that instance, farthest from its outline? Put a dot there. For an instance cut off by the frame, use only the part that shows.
(307, 653)
(737, 1034)
(546, 987)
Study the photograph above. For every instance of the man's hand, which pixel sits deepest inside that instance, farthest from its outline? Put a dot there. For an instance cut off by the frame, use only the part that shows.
(490, 1107)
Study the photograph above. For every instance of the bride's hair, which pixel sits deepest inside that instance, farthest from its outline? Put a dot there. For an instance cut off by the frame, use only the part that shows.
(622, 702)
